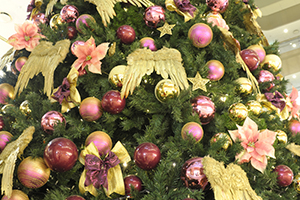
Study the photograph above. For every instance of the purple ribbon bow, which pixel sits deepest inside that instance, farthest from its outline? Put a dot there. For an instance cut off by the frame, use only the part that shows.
(62, 92)
(96, 169)
(276, 99)
(185, 6)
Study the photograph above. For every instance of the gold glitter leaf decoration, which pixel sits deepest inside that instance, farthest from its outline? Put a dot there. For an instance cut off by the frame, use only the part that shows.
(6, 58)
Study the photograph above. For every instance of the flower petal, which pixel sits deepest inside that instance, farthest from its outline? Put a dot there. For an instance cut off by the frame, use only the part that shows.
(95, 68)
(263, 148)
(100, 51)
(267, 136)
(234, 135)
(260, 166)
(243, 157)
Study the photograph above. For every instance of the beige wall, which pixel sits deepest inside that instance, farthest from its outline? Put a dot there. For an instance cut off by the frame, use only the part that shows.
(290, 62)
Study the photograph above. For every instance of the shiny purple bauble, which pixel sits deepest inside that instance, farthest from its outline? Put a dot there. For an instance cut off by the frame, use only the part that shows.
(40, 18)
(259, 50)
(266, 76)
(82, 72)
(2, 125)
(50, 120)
(148, 43)
(216, 70)
(250, 58)
(294, 127)
(101, 140)
(132, 181)
(75, 45)
(75, 197)
(72, 32)
(60, 154)
(285, 175)
(84, 20)
(90, 109)
(5, 137)
(147, 156)
(112, 102)
(192, 130)
(20, 62)
(204, 107)
(69, 13)
(200, 34)
(218, 5)
(126, 33)
(154, 15)
(192, 174)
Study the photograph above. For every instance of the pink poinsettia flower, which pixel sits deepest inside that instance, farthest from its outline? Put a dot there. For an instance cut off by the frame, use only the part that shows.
(90, 55)
(27, 36)
(257, 144)
(294, 105)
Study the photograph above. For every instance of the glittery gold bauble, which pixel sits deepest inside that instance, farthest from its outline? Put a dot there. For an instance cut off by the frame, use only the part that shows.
(245, 86)
(55, 21)
(6, 91)
(24, 107)
(238, 112)
(297, 183)
(254, 107)
(281, 136)
(166, 89)
(272, 61)
(223, 136)
(116, 76)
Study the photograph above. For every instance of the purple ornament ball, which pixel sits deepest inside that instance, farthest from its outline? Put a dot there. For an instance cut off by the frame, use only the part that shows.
(132, 181)
(72, 32)
(218, 5)
(101, 140)
(192, 129)
(154, 15)
(126, 33)
(260, 51)
(60, 154)
(204, 107)
(148, 43)
(285, 175)
(147, 156)
(75, 197)
(69, 13)
(216, 70)
(250, 58)
(20, 62)
(84, 19)
(90, 109)
(294, 127)
(50, 120)
(200, 34)
(5, 137)
(112, 102)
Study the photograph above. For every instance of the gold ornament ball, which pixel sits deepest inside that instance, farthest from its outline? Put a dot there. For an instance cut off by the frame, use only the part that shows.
(16, 195)
(166, 89)
(116, 76)
(24, 107)
(273, 61)
(297, 183)
(281, 136)
(245, 86)
(254, 107)
(55, 21)
(6, 91)
(238, 112)
(223, 136)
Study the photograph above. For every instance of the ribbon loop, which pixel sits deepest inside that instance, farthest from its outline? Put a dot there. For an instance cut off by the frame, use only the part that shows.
(62, 92)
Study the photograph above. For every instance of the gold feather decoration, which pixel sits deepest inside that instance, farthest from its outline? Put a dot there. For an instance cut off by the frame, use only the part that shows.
(9, 156)
(166, 62)
(50, 5)
(230, 183)
(44, 58)
(6, 58)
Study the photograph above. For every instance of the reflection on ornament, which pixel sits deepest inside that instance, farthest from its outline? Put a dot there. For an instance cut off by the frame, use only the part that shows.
(154, 15)
(272, 61)
(20, 62)
(69, 13)
(148, 43)
(55, 21)
(101, 140)
(281, 136)
(192, 130)
(84, 20)
(238, 112)
(24, 107)
(218, 5)
(50, 120)
(204, 107)
(6, 91)
(200, 34)
(5, 137)
(215, 70)
(116, 76)
(39, 18)
(245, 86)
(254, 107)
(294, 127)
(259, 50)
(166, 89)
(222, 136)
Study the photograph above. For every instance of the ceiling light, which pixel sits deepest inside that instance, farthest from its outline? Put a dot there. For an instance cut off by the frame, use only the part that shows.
(5, 17)
(294, 45)
(294, 76)
(285, 30)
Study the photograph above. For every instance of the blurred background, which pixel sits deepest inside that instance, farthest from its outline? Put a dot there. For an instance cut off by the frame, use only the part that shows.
(280, 22)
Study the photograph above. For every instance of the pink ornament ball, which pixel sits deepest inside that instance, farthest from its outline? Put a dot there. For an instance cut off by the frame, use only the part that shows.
(75, 197)
(218, 5)
(285, 175)
(112, 102)
(20, 62)
(200, 34)
(60, 154)
(192, 130)
(5, 137)
(33, 172)
(154, 15)
(69, 13)
(75, 45)
(251, 59)
(84, 19)
(101, 140)
(148, 43)
(90, 109)
(50, 120)
(126, 33)
(204, 107)
(16, 195)
(260, 51)
(216, 70)
(266, 76)
(147, 156)
(294, 127)
(40, 18)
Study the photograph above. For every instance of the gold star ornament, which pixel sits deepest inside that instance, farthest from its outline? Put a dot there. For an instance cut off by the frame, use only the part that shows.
(166, 29)
(198, 82)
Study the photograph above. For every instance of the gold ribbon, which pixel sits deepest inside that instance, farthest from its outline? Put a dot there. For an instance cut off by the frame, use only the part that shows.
(36, 10)
(170, 5)
(74, 98)
(114, 175)
(295, 149)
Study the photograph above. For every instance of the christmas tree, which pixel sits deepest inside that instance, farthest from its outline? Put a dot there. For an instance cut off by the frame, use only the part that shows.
(146, 100)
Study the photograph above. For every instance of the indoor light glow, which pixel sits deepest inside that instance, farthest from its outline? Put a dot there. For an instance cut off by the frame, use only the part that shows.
(285, 30)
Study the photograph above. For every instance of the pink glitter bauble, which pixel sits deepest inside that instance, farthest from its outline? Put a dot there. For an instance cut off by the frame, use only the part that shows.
(250, 58)
(260, 51)
(216, 70)
(20, 62)
(4, 139)
(192, 129)
(101, 140)
(218, 5)
(50, 120)
(200, 34)
(154, 15)
(75, 197)
(33, 172)
(294, 127)
(90, 109)
(84, 20)
(204, 107)
(75, 45)
(69, 13)
(40, 18)
(148, 43)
